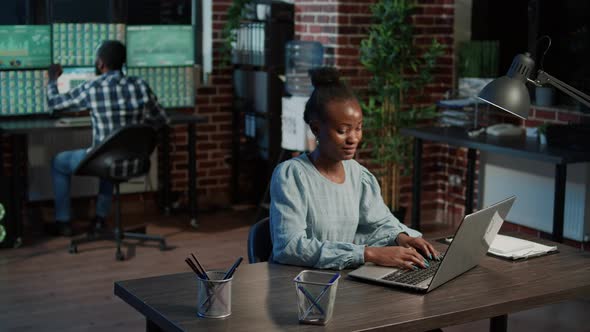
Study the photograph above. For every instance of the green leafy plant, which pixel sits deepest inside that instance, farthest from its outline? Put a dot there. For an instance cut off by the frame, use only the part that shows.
(400, 70)
(228, 34)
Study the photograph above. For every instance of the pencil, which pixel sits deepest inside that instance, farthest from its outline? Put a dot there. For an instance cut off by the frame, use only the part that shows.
(233, 268)
(203, 271)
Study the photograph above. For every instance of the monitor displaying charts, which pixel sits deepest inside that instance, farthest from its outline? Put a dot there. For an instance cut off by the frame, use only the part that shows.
(160, 46)
(75, 44)
(174, 86)
(73, 77)
(22, 92)
(25, 46)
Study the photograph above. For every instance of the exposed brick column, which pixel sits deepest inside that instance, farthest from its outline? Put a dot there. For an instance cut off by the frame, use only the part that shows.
(214, 137)
(340, 26)
(434, 19)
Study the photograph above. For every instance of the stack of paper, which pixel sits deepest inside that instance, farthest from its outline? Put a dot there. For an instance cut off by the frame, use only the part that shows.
(514, 248)
(74, 121)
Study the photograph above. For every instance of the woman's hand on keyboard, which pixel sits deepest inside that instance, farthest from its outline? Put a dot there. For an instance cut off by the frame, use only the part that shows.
(400, 257)
(418, 243)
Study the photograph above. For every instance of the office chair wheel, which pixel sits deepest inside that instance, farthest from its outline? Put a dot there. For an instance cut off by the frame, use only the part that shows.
(120, 257)
(73, 249)
(163, 245)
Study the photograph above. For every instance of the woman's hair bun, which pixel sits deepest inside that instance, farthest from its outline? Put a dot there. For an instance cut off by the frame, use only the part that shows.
(324, 76)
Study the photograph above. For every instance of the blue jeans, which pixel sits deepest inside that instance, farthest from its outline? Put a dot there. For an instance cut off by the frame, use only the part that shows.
(62, 167)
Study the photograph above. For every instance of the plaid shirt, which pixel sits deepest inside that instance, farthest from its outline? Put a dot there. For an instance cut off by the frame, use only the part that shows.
(114, 101)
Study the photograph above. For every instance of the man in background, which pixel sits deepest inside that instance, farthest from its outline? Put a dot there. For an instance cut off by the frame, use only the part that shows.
(114, 101)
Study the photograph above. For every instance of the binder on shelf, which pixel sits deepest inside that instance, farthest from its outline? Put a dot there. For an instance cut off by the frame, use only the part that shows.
(249, 48)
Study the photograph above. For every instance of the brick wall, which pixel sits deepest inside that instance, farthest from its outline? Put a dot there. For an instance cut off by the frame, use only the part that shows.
(434, 19)
(552, 115)
(214, 100)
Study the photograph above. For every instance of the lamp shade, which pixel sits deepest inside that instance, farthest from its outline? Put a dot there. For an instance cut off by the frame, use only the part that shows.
(509, 92)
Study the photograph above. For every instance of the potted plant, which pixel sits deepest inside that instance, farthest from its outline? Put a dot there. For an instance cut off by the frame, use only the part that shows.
(235, 14)
(400, 69)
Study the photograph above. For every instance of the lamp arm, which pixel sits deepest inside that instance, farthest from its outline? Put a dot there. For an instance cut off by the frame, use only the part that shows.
(543, 77)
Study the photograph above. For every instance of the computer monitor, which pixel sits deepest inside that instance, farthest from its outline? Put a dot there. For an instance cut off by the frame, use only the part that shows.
(160, 45)
(22, 92)
(25, 46)
(75, 44)
(73, 77)
(174, 86)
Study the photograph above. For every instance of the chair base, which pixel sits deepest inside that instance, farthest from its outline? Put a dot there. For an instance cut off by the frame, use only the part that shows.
(118, 237)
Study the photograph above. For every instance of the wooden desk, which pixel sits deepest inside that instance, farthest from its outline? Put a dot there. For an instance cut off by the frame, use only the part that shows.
(19, 128)
(519, 146)
(263, 297)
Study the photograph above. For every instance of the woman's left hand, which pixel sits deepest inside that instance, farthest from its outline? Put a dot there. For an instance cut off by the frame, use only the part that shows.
(418, 243)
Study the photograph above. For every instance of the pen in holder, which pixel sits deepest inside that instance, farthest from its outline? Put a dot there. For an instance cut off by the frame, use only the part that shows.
(316, 294)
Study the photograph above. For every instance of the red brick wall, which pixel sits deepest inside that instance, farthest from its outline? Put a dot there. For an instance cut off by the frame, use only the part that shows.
(434, 19)
(552, 115)
(214, 137)
(339, 26)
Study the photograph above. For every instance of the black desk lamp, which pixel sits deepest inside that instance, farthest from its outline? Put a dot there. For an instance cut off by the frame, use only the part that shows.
(510, 93)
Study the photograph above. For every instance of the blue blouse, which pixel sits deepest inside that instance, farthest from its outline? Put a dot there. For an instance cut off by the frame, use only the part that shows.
(318, 223)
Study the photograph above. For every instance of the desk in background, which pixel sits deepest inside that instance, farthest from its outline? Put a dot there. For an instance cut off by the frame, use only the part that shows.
(264, 299)
(19, 128)
(520, 146)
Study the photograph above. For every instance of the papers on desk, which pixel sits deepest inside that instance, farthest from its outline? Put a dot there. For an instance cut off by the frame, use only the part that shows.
(74, 121)
(515, 248)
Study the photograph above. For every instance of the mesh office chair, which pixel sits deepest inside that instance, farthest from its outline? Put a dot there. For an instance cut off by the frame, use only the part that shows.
(123, 155)
(259, 242)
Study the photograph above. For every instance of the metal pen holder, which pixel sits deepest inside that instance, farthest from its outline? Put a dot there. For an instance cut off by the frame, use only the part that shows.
(214, 295)
(316, 294)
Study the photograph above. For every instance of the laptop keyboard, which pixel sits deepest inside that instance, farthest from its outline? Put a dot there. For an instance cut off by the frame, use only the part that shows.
(414, 277)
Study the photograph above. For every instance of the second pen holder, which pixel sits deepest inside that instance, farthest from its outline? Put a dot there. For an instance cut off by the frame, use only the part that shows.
(316, 294)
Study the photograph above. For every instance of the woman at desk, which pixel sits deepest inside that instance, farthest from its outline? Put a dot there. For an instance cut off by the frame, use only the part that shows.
(326, 209)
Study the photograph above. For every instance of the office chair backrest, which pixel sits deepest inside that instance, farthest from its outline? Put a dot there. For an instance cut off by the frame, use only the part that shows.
(124, 154)
(259, 242)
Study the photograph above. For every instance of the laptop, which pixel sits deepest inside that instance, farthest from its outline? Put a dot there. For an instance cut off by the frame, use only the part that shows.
(470, 244)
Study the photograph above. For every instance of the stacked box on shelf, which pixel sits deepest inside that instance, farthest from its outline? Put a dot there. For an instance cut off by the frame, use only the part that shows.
(23, 92)
(174, 86)
(75, 44)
